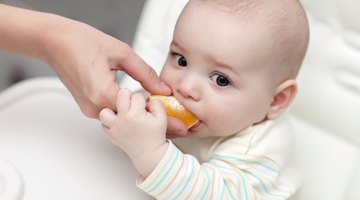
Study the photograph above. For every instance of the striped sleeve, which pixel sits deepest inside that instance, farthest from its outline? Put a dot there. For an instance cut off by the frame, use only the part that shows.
(224, 176)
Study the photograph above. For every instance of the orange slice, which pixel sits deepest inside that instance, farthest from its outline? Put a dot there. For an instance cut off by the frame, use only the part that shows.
(175, 109)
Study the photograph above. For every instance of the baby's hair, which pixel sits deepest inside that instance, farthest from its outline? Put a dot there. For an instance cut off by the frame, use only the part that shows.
(287, 22)
(291, 34)
(234, 5)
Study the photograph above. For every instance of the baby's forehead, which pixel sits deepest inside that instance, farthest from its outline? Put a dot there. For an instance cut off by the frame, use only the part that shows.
(284, 21)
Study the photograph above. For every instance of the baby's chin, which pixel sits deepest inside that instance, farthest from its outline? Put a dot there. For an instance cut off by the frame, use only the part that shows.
(201, 130)
(201, 134)
(198, 130)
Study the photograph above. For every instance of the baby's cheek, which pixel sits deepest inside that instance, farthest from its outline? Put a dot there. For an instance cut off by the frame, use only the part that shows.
(227, 121)
(170, 76)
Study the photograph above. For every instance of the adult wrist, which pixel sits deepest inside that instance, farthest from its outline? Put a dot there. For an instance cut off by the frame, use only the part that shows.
(51, 37)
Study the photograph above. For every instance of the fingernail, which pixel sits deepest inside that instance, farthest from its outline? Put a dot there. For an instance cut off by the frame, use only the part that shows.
(164, 85)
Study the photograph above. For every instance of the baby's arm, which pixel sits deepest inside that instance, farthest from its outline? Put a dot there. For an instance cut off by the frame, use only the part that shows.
(138, 129)
(224, 176)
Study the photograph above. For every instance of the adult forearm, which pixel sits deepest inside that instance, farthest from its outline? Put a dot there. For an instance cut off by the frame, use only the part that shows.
(32, 33)
(21, 30)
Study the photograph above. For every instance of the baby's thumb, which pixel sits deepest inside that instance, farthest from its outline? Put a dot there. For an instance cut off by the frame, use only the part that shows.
(157, 109)
(107, 117)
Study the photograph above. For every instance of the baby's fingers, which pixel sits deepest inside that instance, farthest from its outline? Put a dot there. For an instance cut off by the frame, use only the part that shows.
(175, 128)
(107, 117)
(157, 109)
(138, 102)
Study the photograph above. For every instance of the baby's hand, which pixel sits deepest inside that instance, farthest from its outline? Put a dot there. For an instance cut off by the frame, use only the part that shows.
(138, 127)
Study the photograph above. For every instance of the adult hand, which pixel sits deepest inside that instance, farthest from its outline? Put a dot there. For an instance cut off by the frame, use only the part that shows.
(86, 60)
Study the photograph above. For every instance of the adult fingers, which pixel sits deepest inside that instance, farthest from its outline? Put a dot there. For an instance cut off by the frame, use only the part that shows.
(93, 97)
(135, 67)
(107, 95)
(123, 101)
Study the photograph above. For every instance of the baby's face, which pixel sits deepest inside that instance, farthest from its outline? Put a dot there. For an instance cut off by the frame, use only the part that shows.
(218, 68)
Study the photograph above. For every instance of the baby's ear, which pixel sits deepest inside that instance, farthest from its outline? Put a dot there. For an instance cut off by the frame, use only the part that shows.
(284, 96)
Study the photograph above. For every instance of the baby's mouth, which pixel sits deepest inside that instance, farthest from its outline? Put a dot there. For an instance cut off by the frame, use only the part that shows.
(195, 126)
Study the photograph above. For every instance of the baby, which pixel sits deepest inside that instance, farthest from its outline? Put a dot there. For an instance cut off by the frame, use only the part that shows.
(233, 64)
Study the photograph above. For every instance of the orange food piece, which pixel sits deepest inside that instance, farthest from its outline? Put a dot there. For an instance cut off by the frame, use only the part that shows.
(175, 109)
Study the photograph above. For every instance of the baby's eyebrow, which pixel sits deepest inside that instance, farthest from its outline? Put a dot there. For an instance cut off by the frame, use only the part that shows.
(221, 64)
(178, 46)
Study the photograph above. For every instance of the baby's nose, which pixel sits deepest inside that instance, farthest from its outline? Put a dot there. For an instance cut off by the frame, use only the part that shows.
(190, 87)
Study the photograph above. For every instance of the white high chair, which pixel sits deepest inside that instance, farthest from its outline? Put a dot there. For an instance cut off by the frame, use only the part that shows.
(49, 150)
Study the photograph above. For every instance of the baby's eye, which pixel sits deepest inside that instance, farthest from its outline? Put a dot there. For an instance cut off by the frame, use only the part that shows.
(220, 80)
(180, 60)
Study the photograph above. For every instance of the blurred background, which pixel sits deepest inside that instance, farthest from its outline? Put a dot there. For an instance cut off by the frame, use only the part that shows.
(115, 17)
